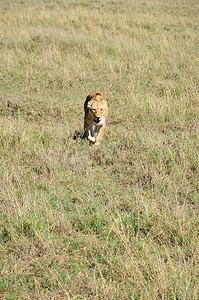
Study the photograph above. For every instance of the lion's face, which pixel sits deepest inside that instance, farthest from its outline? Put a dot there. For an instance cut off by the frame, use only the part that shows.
(97, 108)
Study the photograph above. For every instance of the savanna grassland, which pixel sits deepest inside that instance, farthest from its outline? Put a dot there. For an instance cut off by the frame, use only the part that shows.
(115, 221)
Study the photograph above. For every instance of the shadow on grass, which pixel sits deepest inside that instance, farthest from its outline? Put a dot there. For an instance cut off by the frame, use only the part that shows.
(78, 135)
(81, 136)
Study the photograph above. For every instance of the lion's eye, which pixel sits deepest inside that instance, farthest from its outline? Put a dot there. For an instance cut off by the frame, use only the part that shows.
(101, 109)
(94, 110)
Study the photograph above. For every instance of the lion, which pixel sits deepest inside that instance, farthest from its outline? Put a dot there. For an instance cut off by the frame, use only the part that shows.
(96, 112)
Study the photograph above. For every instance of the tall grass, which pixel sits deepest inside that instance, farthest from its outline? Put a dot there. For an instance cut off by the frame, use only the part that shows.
(118, 221)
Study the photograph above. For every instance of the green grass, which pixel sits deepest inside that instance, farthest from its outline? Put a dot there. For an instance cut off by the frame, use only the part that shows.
(118, 221)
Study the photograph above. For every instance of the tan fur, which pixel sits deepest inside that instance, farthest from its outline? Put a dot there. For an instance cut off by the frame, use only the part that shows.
(96, 111)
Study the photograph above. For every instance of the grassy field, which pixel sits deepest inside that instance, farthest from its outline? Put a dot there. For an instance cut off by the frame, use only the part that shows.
(118, 221)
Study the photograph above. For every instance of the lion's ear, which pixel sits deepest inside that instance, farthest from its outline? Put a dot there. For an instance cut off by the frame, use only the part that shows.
(103, 101)
(95, 94)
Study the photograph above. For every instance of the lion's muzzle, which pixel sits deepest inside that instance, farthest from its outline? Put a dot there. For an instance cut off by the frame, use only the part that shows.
(97, 120)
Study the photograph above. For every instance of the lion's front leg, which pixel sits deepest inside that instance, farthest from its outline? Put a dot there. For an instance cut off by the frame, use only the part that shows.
(91, 134)
(100, 132)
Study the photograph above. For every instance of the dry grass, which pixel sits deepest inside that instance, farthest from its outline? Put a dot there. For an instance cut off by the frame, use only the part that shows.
(115, 222)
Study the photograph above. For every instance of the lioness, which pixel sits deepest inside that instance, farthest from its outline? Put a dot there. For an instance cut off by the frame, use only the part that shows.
(96, 111)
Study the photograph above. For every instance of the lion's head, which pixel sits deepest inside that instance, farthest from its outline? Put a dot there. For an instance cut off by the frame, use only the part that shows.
(97, 106)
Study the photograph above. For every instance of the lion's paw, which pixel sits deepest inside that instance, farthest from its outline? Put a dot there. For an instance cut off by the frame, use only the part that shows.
(91, 138)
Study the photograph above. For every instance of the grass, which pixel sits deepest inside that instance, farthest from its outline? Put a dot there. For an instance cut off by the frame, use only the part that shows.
(118, 221)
